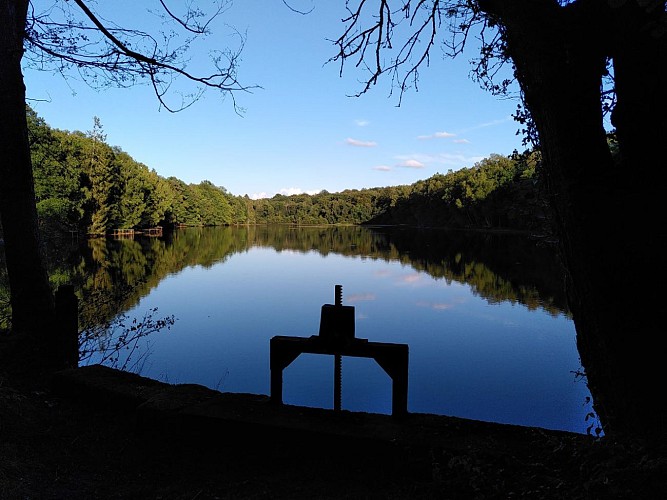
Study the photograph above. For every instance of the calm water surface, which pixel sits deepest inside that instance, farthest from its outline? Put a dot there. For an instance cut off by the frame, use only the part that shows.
(488, 339)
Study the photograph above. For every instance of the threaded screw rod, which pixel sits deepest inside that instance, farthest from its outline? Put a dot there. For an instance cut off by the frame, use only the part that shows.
(338, 362)
(338, 382)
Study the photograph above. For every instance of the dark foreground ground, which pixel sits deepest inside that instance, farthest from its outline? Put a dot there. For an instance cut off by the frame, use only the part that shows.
(95, 433)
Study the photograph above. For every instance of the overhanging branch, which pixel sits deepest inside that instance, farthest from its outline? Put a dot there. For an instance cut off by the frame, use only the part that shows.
(108, 59)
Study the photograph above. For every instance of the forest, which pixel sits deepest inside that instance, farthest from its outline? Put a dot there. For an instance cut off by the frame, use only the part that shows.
(85, 185)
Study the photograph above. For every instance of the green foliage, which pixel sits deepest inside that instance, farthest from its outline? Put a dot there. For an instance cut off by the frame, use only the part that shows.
(57, 191)
(55, 210)
(82, 182)
(210, 202)
(497, 192)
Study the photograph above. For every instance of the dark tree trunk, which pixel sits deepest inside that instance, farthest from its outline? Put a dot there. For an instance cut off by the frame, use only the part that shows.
(639, 56)
(31, 296)
(599, 205)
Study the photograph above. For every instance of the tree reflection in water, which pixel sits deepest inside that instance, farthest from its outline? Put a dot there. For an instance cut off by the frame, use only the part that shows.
(113, 276)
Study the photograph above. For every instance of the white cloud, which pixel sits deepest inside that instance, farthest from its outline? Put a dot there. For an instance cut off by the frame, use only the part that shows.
(422, 158)
(360, 297)
(382, 168)
(290, 191)
(448, 159)
(438, 306)
(489, 124)
(456, 162)
(285, 192)
(453, 159)
(437, 135)
(294, 190)
(360, 144)
(362, 123)
(411, 164)
(461, 141)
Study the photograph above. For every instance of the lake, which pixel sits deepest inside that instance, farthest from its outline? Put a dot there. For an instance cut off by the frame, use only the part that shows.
(484, 315)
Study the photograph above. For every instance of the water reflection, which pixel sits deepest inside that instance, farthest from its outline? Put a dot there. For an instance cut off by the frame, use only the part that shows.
(497, 267)
(484, 314)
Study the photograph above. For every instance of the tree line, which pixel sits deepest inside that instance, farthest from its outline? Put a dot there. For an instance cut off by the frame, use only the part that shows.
(84, 184)
(497, 192)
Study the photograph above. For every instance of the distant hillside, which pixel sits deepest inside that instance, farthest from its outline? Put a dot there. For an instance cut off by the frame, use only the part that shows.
(84, 184)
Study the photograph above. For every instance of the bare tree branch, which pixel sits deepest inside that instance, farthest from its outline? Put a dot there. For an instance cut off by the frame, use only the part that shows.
(399, 40)
(105, 54)
(298, 11)
(196, 28)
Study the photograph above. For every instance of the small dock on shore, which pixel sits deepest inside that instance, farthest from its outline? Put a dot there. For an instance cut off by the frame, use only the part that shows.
(123, 234)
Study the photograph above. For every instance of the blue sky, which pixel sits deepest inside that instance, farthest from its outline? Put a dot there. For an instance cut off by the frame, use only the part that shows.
(300, 131)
